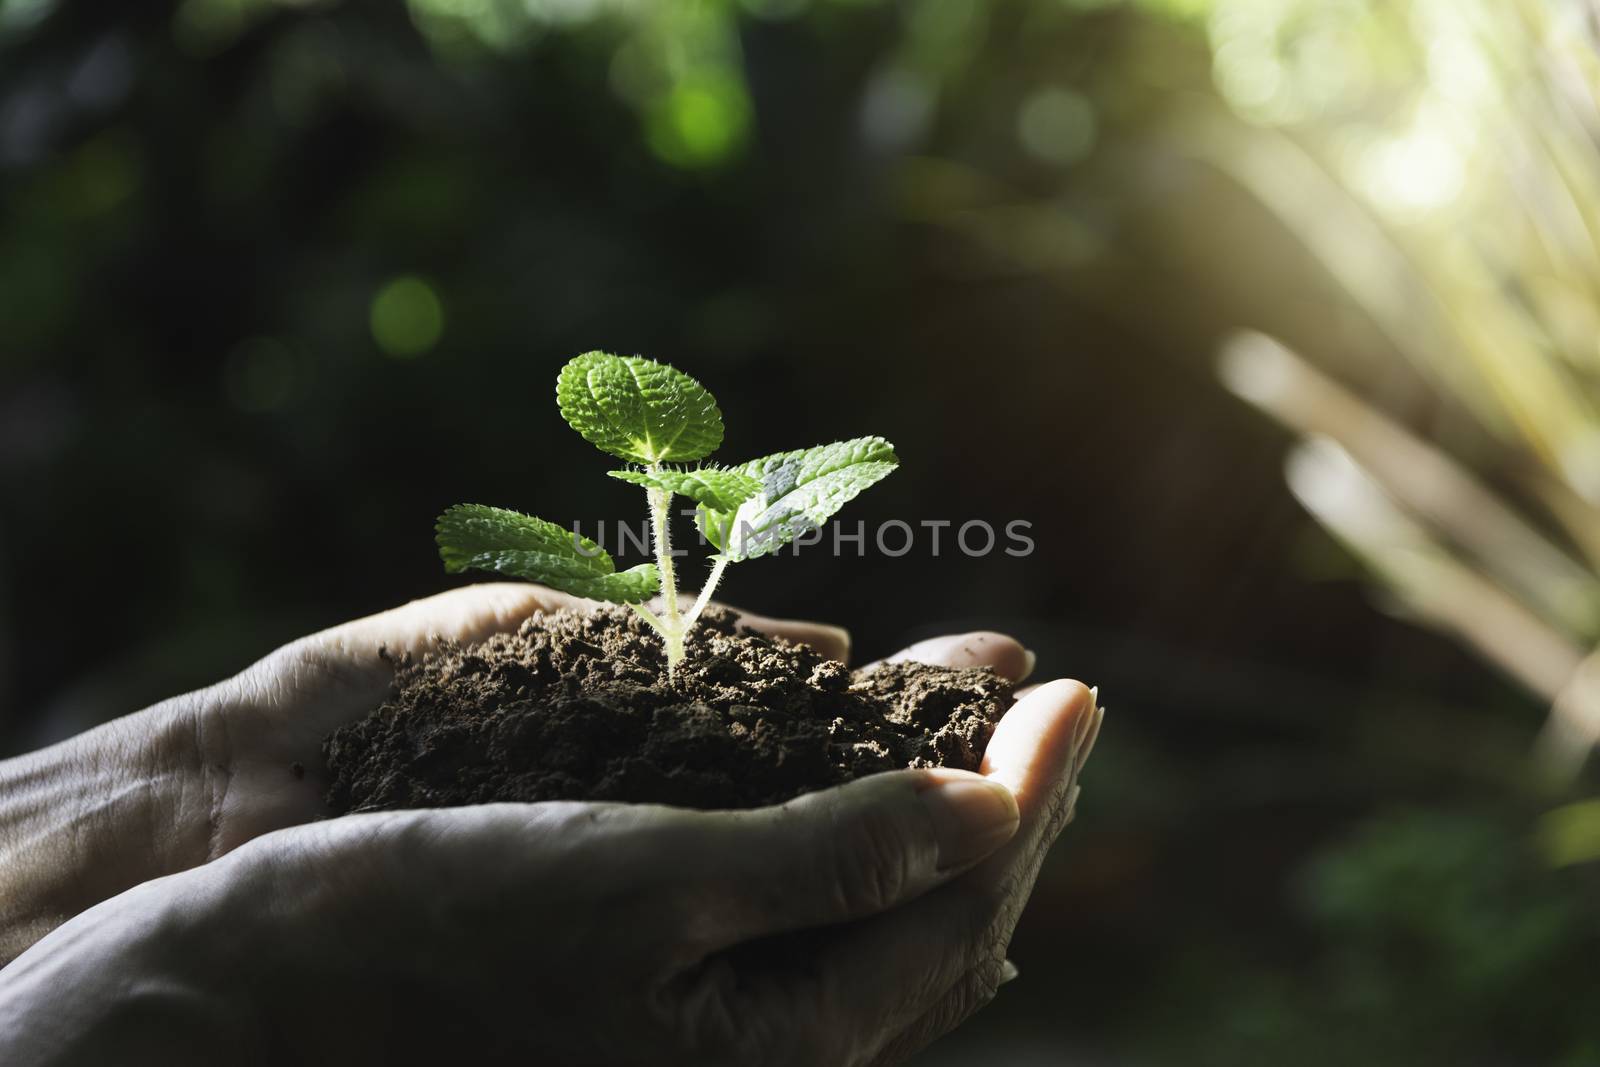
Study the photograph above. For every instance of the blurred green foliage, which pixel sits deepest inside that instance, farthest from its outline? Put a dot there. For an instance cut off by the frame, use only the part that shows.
(1445, 936)
(262, 261)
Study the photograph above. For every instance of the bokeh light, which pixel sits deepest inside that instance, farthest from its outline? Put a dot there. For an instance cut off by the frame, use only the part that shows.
(407, 317)
(1057, 125)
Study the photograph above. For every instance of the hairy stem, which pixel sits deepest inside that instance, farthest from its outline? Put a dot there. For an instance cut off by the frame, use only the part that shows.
(650, 618)
(706, 590)
(672, 628)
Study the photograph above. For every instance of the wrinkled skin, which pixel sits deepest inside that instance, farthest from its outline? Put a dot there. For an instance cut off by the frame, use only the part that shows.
(184, 904)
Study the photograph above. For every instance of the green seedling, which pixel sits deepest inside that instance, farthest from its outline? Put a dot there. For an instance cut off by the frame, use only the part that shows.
(659, 420)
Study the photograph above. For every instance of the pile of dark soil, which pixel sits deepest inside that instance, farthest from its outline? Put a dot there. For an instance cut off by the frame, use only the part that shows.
(579, 706)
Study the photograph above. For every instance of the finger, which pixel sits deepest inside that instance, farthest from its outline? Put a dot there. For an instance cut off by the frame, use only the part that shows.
(462, 615)
(980, 648)
(478, 611)
(838, 855)
(1035, 746)
(1023, 691)
(906, 965)
(832, 641)
(346, 663)
(1085, 749)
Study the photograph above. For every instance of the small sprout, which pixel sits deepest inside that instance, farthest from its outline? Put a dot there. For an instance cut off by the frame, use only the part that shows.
(650, 414)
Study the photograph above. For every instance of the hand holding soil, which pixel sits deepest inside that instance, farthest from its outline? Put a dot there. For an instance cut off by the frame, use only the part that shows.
(846, 926)
(190, 779)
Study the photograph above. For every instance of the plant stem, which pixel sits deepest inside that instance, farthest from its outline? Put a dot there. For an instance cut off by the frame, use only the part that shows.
(672, 625)
(660, 516)
(649, 617)
(706, 590)
(672, 628)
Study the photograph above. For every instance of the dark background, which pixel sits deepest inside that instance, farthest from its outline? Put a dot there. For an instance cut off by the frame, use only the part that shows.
(1307, 828)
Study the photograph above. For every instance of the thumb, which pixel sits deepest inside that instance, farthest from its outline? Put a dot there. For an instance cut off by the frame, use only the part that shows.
(847, 852)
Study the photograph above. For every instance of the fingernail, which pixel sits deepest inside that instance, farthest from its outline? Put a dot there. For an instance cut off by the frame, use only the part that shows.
(1080, 732)
(1029, 661)
(971, 816)
(1008, 972)
(1088, 743)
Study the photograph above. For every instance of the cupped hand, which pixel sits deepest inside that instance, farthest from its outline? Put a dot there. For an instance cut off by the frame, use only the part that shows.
(186, 781)
(846, 927)
(261, 732)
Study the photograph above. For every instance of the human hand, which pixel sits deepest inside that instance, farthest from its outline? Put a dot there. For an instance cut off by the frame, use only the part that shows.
(272, 718)
(846, 927)
(186, 781)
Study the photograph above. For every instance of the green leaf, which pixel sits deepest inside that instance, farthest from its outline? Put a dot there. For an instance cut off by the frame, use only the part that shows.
(521, 546)
(638, 409)
(715, 487)
(715, 526)
(632, 586)
(799, 492)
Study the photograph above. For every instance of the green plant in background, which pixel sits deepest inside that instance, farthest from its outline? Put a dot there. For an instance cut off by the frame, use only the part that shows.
(1478, 266)
(656, 417)
(1449, 912)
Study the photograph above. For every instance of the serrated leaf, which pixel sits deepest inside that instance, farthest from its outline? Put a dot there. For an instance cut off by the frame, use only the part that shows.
(632, 586)
(799, 492)
(520, 546)
(638, 409)
(715, 487)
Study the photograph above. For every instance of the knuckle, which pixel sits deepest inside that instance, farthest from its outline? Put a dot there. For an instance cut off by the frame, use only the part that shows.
(983, 983)
(970, 995)
(1060, 815)
(1010, 890)
(988, 914)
